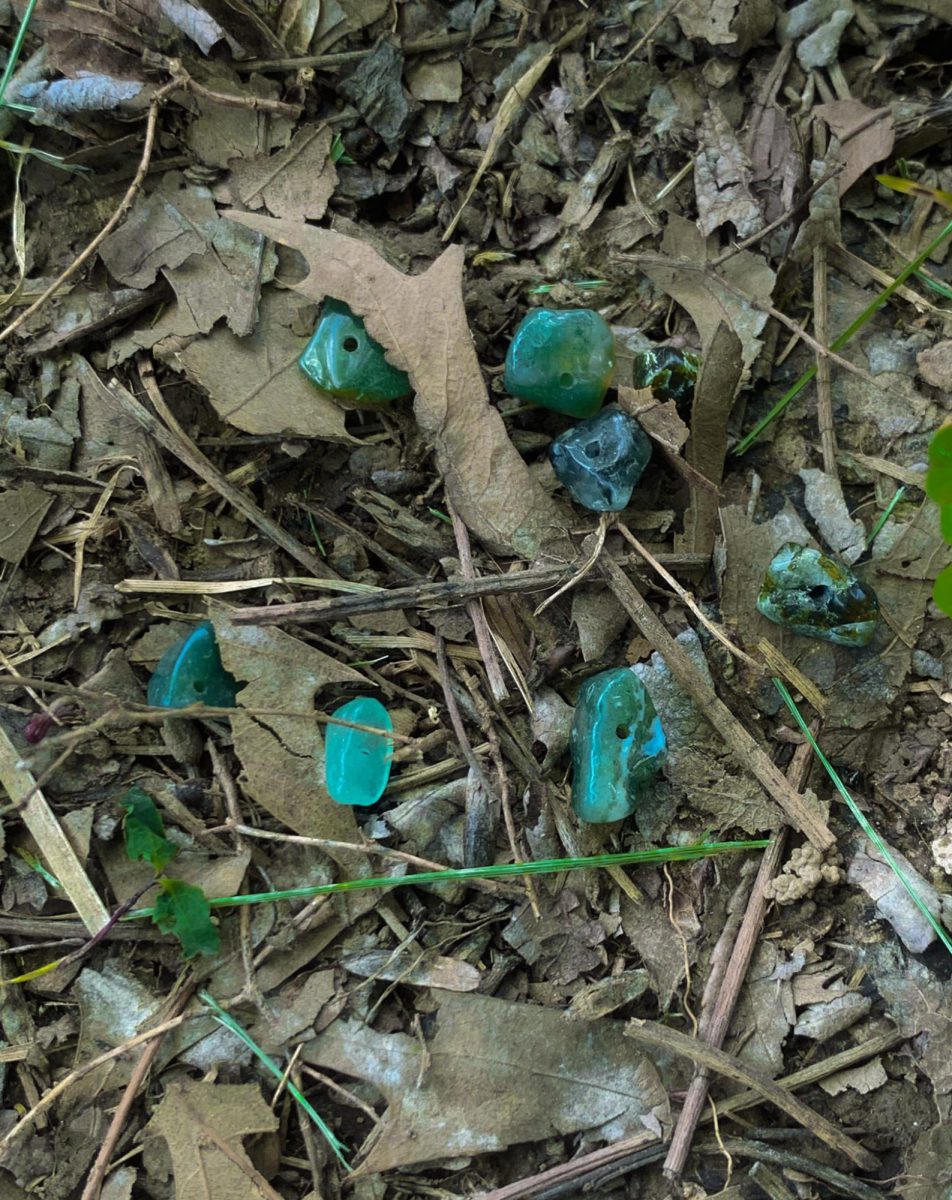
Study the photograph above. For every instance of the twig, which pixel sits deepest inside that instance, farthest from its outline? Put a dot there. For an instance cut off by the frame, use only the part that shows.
(670, 1041)
(497, 685)
(688, 600)
(451, 592)
(630, 54)
(591, 559)
(125, 204)
(98, 1170)
(801, 812)
(824, 382)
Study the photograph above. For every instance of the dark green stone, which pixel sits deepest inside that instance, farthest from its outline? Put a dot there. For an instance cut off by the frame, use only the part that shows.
(617, 745)
(357, 763)
(600, 460)
(670, 374)
(816, 596)
(191, 672)
(561, 360)
(344, 360)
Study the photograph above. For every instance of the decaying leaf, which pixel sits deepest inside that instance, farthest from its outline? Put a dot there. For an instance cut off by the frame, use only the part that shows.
(203, 1124)
(494, 1074)
(421, 322)
(295, 183)
(22, 511)
(722, 179)
(255, 382)
(823, 500)
(283, 756)
(865, 136)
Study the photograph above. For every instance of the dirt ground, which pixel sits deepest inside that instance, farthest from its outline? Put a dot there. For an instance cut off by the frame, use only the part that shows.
(185, 185)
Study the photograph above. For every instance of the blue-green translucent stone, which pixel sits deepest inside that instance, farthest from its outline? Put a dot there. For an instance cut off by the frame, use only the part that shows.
(600, 460)
(816, 596)
(561, 360)
(344, 360)
(670, 374)
(617, 745)
(357, 764)
(191, 672)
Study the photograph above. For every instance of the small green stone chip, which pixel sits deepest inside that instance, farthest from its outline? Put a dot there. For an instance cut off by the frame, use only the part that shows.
(357, 763)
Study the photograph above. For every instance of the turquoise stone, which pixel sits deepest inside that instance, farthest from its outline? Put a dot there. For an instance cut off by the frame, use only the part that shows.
(344, 360)
(600, 460)
(561, 360)
(814, 595)
(617, 745)
(670, 374)
(357, 764)
(191, 672)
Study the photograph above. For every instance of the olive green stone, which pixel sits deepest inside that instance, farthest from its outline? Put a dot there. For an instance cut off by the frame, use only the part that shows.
(344, 360)
(670, 374)
(939, 474)
(191, 672)
(356, 762)
(816, 596)
(617, 745)
(561, 360)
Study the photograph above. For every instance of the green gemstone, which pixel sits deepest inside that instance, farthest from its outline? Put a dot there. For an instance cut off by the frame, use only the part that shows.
(617, 745)
(670, 374)
(344, 360)
(945, 521)
(561, 360)
(816, 596)
(191, 672)
(356, 763)
(942, 590)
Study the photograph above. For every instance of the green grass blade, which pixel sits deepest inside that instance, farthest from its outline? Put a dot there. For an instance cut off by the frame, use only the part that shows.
(16, 48)
(840, 341)
(229, 1022)
(860, 818)
(541, 866)
(877, 528)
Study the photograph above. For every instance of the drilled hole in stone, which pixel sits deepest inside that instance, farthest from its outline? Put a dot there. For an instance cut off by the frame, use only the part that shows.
(350, 344)
(621, 731)
(593, 450)
(820, 592)
(199, 685)
(565, 379)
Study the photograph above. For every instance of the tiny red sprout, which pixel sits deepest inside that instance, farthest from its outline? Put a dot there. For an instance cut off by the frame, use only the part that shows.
(37, 727)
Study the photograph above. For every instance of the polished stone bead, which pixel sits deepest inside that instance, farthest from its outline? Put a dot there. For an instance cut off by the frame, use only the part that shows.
(600, 460)
(670, 374)
(617, 745)
(816, 596)
(357, 763)
(344, 360)
(561, 360)
(191, 672)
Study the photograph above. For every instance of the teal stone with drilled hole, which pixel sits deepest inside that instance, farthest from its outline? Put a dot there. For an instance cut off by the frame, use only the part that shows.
(669, 373)
(191, 672)
(617, 745)
(561, 360)
(344, 360)
(600, 460)
(816, 596)
(357, 763)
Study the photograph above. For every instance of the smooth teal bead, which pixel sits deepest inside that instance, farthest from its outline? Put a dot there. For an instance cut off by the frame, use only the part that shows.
(357, 764)
(600, 460)
(814, 595)
(617, 745)
(344, 360)
(191, 672)
(561, 360)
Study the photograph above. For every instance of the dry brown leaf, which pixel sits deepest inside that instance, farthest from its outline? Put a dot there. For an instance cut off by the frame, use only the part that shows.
(722, 179)
(22, 511)
(866, 137)
(283, 756)
(296, 183)
(421, 322)
(255, 382)
(196, 1120)
(495, 1073)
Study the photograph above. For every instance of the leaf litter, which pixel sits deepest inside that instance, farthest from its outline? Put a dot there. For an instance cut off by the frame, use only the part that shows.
(463, 1038)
